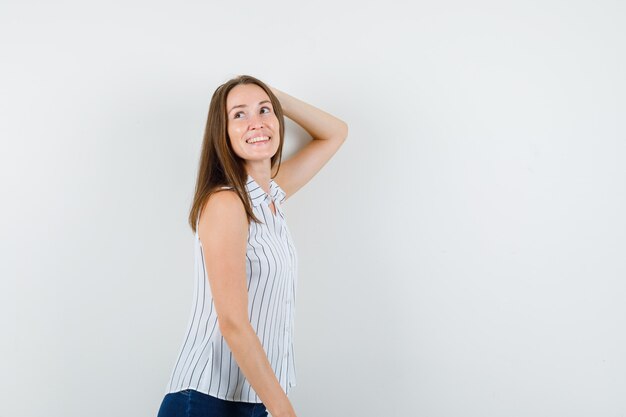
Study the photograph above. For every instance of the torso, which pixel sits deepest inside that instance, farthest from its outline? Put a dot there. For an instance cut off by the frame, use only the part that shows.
(205, 362)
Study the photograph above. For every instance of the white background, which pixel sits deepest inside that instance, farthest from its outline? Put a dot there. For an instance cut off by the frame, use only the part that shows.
(463, 254)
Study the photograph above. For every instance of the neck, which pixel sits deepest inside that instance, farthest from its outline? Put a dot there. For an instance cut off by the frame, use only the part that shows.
(261, 173)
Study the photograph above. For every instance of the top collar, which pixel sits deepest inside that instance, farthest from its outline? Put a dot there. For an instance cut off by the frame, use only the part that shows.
(257, 195)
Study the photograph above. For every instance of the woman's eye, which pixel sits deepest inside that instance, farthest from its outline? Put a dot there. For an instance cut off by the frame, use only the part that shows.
(236, 115)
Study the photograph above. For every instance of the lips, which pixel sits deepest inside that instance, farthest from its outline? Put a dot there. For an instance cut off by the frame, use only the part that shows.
(258, 138)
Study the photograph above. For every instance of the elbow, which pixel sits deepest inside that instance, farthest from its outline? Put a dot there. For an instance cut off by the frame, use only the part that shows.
(232, 325)
(341, 132)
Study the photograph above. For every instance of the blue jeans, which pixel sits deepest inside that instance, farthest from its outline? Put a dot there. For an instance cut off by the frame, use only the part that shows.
(192, 403)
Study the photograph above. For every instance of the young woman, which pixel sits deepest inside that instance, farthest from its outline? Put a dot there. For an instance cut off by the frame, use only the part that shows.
(237, 356)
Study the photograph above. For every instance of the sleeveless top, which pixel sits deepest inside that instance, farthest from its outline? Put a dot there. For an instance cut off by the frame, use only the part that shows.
(205, 362)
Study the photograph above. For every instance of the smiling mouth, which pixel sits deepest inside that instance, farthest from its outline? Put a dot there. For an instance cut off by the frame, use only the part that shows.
(258, 139)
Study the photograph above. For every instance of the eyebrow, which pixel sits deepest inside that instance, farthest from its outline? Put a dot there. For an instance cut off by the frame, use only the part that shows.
(245, 105)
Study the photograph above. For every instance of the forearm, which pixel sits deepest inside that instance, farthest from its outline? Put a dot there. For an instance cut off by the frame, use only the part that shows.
(318, 123)
(252, 360)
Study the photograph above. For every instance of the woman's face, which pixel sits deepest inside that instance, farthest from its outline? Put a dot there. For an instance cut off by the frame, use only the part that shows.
(251, 115)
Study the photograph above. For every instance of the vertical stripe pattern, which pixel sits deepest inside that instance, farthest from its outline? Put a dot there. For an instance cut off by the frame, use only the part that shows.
(205, 362)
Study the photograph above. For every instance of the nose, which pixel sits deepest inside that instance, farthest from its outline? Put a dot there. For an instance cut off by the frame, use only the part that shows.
(255, 121)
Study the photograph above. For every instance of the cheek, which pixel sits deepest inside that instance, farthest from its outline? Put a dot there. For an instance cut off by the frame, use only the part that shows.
(235, 129)
(233, 143)
(274, 125)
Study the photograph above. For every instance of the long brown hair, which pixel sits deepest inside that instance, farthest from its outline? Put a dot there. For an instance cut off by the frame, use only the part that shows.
(219, 164)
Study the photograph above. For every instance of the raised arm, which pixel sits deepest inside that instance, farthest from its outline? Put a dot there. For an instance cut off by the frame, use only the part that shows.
(223, 231)
(328, 134)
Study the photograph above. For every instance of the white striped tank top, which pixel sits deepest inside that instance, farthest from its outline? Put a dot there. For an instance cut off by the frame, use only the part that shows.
(205, 362)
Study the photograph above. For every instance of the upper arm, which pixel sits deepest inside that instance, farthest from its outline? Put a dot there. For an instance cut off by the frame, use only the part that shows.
(223, 231)
(298, 170)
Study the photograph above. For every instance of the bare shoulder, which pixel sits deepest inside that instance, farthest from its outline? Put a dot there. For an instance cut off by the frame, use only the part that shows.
(222, 217)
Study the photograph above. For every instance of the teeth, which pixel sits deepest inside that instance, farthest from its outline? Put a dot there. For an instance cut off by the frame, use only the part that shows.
(257, 139)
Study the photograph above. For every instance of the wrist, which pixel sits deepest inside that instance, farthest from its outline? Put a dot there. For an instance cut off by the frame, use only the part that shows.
(285, 412)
